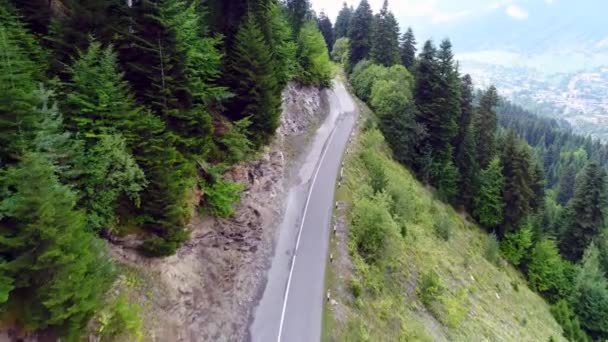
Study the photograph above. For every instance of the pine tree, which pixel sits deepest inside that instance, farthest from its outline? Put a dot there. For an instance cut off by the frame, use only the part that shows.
(313, 59)
(284, 49)
(566, 185)
(436, 95)
(76, 22)
(299, 13)
(408, 49)
(359, 34)
(251, 77)
(227, 17)
(583, 219)
(537, 185)
(58, 272)
(99, 103)
(466, 162)
(590, 295)
(98, 99)
(385, 38)
(488, 203)
(518, 191)
(343, 21)
(485, 124)
(465, 119)
(151, 61)
(326, 28)
(465, 145)
(18, 82)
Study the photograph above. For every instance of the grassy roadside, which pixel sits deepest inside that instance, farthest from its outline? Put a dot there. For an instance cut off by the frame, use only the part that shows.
(435, 276)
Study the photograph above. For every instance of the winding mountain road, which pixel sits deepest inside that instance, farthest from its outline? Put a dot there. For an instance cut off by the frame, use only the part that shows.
(291, 307)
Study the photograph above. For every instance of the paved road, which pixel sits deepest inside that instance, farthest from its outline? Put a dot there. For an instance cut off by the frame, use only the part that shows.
(292, 304)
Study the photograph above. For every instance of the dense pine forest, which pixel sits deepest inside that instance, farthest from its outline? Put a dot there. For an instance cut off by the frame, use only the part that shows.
(539, 188)
(120, 117)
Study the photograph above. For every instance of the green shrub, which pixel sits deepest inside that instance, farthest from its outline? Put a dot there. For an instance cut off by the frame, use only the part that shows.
(339, 52)
(220, 197)
(375, 168)
(355, 287)
(429, 288)
(120, 319)
(547, 271)
(565, 316)
(235, 144)
(371, 223)
(492, 252)
(443, 227)
(516, 245)
(364, 76)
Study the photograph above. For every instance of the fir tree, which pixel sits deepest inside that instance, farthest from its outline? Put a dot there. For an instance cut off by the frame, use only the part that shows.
(465, 145)
(485, 124)
(58, 272)
(299, 12)
(385, 38)
(488, 203)
(408, 49)
(78, 20)
(359, 33)
(256, 92)
(314, 64)
(18, 83)
(343, 21)
(284, 49)
(465, 119)
(583, 219)
(466, 162)
(436, 95)
(566, 185)
(326, 28)
(590, 295)
(99, 103)
(518, 192)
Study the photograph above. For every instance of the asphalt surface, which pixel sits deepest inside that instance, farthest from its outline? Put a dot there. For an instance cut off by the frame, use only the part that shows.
(291, 307)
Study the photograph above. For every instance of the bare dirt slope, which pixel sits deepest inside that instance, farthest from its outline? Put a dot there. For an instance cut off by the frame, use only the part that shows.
(206, 291)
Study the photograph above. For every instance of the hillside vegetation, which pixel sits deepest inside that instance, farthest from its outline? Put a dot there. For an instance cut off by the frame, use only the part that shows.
(537, 188)
(420, 271)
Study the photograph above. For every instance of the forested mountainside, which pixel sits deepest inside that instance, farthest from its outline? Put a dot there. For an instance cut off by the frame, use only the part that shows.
(120, 117)
(532, 183)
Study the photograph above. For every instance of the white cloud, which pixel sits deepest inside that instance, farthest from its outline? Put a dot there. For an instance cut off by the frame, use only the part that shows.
(516, 12)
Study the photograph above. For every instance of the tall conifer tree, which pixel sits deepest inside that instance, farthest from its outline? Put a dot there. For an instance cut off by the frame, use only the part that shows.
(408, 49)
(583, 219)
(327, 30)
(485, 124)
(359, 34)
(518, 191)
(252, 81)
(343, 21)
(385, 38)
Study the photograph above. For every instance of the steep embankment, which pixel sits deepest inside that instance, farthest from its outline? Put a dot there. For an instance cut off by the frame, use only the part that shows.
(408, 267)
(206, 291)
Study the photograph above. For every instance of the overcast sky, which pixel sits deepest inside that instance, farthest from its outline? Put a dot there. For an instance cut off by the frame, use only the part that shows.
(432, 17)
(435, 11)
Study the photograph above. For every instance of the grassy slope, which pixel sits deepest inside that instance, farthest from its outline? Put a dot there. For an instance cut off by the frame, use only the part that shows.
(478, 301)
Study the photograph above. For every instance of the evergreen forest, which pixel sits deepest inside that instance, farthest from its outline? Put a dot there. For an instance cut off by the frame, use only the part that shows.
(121, 116)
